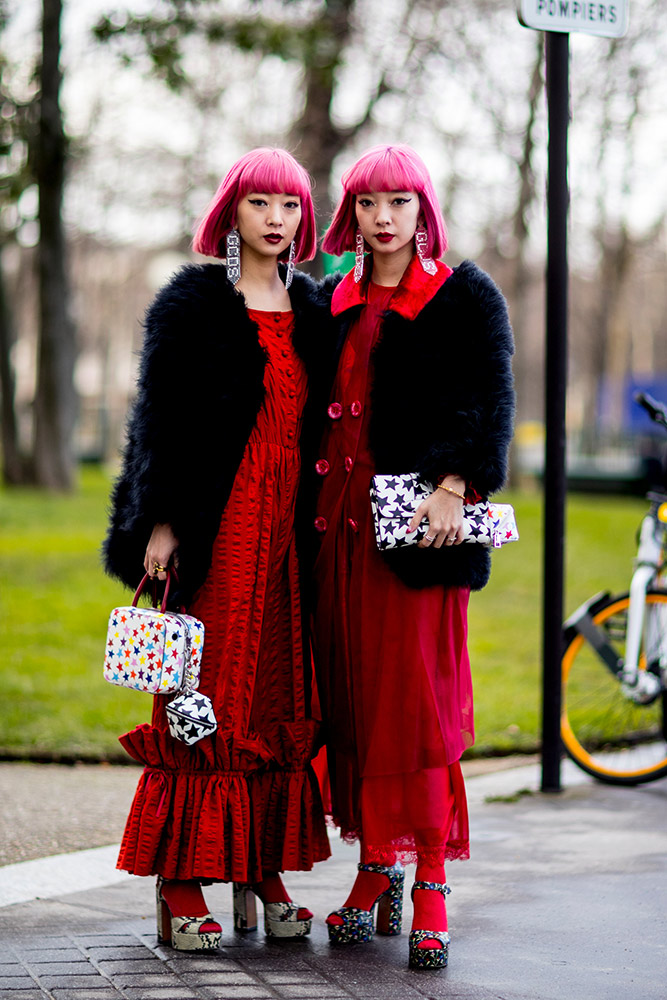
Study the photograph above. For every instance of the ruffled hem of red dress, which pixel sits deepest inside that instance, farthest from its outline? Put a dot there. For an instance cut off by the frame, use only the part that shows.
(406, 850)
(224, 810)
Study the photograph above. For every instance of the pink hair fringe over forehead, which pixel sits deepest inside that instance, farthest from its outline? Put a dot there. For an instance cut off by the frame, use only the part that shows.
(386, 168)
(265, 170)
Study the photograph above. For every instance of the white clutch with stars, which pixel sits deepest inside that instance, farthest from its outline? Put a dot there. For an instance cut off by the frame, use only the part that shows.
(394, 500)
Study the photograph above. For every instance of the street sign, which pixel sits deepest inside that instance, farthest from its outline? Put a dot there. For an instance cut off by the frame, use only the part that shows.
(608, 18)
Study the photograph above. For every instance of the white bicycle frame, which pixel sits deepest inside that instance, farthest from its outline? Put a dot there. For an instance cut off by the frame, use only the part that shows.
(641, 685)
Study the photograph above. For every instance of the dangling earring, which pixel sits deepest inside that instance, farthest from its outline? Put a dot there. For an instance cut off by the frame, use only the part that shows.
(290, 264)
(233, 255)
(421, 242)
(359, 248)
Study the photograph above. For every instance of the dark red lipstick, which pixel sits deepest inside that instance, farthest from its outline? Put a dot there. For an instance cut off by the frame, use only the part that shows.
(384, 237)
(273, 238)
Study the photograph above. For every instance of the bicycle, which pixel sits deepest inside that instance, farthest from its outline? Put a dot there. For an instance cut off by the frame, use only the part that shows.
(614, 665)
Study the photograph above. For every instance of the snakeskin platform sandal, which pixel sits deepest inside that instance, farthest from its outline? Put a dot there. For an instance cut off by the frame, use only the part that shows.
(185, 933)
(280, 919)
(429, 958)
(360, 925)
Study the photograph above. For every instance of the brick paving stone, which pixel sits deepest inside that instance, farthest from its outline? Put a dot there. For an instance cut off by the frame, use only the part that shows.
(136, 981)
(107, 940)
(70, 982)
(21, 981)
(138, 952)
(101, 994)
(184, 963)
(277, 978)
(21, 995)
(240, 992)
(43, 955)
(51, 942)
(11, 969)
(119, 968)
(390, 991)
(263, 964)
(324, 990)
(80, 968)
(219, 978)
(156, 993)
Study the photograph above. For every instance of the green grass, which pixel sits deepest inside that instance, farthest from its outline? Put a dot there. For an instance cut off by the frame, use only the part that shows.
(55, 601)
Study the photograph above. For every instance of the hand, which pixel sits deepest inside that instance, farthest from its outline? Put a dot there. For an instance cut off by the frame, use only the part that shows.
(161, 550)
(445, 516)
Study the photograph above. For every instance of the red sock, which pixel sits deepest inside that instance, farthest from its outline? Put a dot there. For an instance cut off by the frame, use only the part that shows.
(184, 898)
(272, 890)
(367, 886)
(430, 912)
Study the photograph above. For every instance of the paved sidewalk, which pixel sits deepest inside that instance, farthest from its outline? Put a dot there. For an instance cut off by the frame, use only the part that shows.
(563, 899)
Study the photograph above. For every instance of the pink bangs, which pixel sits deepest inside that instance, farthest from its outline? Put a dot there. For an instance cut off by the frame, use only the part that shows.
(386, 168)
(271, 171)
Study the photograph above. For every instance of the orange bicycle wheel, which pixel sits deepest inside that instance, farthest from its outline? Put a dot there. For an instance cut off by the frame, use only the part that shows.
(603, 731)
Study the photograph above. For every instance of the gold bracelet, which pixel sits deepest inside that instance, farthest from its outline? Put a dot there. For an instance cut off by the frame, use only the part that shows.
(450, 490)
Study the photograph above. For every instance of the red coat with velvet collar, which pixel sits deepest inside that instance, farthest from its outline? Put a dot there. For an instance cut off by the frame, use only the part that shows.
(442, 398)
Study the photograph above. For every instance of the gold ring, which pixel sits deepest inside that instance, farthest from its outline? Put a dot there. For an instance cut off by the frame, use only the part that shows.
(157, 568)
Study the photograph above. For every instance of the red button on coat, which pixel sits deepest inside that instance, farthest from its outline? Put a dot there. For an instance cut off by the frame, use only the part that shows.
(355, 408)
(353, 524)
(322, 466)
(335, 411)
(320, 524)
(348, 463)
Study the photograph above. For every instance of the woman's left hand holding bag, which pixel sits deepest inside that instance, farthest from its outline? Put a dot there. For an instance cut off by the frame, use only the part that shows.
(444, 511)
(161, 550)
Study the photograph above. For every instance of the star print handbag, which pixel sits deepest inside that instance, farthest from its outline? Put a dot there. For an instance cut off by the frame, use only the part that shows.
(394, 500)
(159, 651)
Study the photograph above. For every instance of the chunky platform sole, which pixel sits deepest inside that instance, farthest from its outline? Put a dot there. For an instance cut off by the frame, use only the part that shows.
(281, 920)
(428, 958)
(360, 925)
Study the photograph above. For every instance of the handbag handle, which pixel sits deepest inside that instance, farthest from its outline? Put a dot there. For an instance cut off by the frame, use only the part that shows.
(142, 586)
(140, 589)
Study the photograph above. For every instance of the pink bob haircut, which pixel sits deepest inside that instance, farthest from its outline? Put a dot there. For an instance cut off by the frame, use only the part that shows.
(265, 170)
(386, 168)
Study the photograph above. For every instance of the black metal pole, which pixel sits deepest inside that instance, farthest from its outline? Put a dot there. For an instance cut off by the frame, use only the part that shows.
(557, 67)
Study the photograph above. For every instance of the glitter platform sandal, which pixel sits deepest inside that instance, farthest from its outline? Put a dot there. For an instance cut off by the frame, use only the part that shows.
(429, 958)
(280, 919)
(359, 925)
(185, 933)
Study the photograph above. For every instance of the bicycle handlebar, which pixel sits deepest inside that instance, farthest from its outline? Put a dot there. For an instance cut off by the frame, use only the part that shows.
(657, 411)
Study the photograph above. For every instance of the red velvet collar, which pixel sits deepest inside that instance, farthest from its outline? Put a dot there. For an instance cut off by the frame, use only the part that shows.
(416, 288)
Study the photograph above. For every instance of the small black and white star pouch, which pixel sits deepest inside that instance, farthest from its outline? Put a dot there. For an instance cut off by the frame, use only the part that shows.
(394, 500)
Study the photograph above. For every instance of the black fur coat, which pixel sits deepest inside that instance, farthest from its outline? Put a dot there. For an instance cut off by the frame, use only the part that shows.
(442, 401)
(200, 389)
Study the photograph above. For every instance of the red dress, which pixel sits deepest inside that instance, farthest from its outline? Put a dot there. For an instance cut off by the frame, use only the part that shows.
(393, 670)
(246, 800)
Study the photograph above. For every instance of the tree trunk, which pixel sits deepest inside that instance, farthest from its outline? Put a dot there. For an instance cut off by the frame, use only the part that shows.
(314, 137)
(55, 399)
(12, 465)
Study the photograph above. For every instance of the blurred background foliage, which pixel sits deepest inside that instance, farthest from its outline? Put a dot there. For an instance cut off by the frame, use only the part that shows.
(153, 101)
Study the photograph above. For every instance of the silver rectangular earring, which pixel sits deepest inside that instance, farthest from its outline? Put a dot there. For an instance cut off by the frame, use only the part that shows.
(233, 258)
(290, 264)
(359, 249)
(421, 243)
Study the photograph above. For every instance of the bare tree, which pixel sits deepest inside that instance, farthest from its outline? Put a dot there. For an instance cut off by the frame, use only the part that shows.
(55, 399)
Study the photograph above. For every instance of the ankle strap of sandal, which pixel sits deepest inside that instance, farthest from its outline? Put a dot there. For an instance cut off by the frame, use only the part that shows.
(436, 886)
(380, 869)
